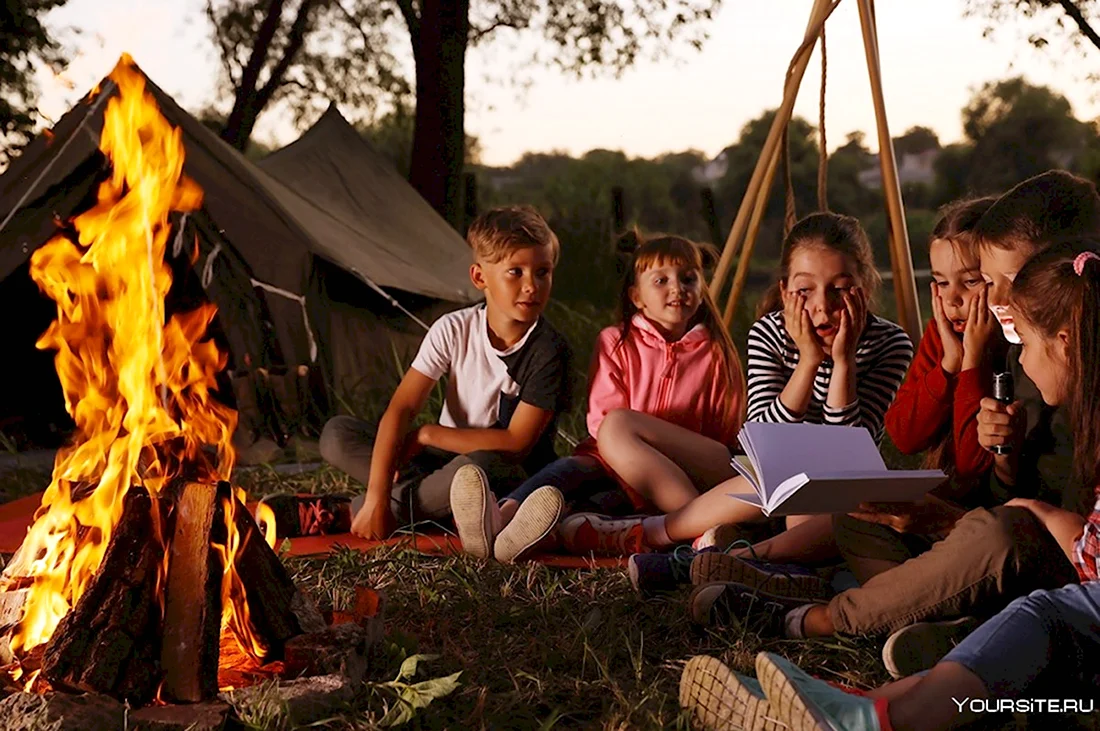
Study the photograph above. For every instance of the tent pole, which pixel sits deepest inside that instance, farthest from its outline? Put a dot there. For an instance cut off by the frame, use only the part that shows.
(901, 258)
(821, 10)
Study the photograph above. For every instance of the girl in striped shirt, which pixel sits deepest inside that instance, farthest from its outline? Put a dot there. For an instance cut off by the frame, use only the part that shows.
(817, 356)
(1042, 646)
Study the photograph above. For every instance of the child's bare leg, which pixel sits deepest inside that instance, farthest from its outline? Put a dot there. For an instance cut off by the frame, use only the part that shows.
(712, 508)
(809, 541)
(897, 689)
(928, 703)
(664, 462)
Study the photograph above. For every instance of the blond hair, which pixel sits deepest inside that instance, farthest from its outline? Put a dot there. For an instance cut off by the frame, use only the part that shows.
(499, 231)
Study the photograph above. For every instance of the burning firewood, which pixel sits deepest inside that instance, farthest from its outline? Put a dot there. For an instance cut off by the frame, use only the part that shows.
(109, 642)
(192, 599)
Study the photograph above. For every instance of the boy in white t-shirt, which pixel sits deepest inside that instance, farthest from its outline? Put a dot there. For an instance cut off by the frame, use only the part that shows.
(508, 381)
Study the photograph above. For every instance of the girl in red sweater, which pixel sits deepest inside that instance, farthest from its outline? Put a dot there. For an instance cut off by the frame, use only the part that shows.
(937, 406)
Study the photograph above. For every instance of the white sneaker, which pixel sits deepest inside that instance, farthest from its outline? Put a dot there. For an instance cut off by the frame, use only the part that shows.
(534, 519)
(475, 510)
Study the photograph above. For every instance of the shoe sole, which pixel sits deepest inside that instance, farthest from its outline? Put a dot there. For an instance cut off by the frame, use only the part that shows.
(701, 603)
(470, 509)
(707, 568)
(785, 699)
(716, 700)
(533, 521)
(920, 646)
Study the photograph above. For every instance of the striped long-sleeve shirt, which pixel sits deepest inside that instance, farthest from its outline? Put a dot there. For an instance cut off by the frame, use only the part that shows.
(882, 358)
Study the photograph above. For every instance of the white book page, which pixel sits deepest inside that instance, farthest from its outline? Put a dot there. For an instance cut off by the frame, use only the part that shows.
(842, 493)
(742, 463)
(781, 451)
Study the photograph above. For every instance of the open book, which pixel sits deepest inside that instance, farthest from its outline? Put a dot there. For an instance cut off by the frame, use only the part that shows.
(807, 469)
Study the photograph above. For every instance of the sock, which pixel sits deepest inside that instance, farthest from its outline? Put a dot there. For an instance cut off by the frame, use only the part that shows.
(654, 533)
(792, 623)
(882, 710)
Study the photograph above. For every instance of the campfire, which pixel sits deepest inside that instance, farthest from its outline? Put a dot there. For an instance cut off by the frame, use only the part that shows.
(144, 573)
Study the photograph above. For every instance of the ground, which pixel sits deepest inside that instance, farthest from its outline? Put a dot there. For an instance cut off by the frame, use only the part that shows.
(537, 647)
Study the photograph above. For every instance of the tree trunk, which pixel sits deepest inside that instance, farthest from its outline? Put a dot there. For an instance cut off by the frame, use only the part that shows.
(439, 135)
(251, 98)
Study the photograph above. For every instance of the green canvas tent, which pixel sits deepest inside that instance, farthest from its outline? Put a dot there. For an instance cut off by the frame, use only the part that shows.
(320, 256)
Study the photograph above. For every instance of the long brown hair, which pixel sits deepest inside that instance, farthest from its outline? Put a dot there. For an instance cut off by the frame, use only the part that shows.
(956, 226)
(1050, 295)
(663, 250)
(841, 234)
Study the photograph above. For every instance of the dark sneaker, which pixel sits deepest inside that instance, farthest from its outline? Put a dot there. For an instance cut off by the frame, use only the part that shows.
(716, 698)
(777, 578)
(309, 515)
(658, 573)
(742, 606)
(918, 647)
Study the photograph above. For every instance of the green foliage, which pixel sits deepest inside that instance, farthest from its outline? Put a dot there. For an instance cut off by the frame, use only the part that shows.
(260, 707)
(309, 53)
(1064, 22)
(1018, 130)
(391, 134)
(742, 158)
(412, 697)
(26, 43)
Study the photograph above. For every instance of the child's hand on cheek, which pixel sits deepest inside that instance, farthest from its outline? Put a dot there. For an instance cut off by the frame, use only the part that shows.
(980, 327)
(853, 318)
(952, 346)
(796, 318)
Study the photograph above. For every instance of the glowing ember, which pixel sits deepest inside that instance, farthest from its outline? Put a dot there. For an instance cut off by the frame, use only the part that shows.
(137, 387)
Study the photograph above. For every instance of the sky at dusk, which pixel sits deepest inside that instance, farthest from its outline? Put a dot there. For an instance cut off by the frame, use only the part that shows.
(932, 60)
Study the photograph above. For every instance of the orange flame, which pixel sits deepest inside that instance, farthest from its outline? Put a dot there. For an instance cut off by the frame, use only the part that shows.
(235, 615)
(137, 387)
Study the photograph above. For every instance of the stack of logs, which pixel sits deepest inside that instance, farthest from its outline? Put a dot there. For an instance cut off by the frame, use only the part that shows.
(118, 641)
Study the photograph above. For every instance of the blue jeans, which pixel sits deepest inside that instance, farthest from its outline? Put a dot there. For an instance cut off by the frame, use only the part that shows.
(1048, 641)
(568, 474)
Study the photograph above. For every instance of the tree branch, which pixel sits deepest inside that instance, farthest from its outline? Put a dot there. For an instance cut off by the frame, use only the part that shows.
(295, 39)
(479, 34)
(227, 52)
(1078, 17)
(412, 20)
(251, 74)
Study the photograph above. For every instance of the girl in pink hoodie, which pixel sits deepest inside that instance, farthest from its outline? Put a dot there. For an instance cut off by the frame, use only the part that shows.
(670, 358)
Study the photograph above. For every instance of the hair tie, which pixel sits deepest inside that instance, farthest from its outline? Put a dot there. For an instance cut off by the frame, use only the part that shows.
(1079, 262)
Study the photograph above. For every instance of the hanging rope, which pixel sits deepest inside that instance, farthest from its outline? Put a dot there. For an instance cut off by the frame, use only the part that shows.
(790, 215)
(823, 160)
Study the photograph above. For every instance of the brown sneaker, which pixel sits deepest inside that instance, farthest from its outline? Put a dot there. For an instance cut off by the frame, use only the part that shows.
(534, 519)
(717, 699)
(778, 578)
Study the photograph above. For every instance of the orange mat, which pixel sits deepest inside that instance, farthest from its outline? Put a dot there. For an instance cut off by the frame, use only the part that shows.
(16, 518)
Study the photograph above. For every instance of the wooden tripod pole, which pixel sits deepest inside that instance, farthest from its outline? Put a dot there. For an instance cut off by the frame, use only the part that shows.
(901, 259)
(820, 11)
(759, 206)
